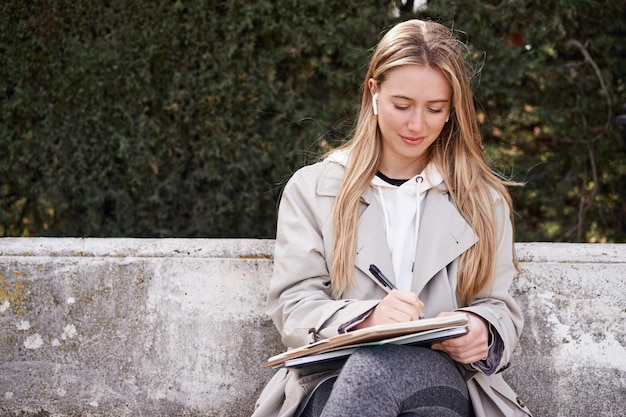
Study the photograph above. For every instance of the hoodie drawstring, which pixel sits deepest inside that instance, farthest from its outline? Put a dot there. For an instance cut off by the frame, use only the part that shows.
(418, 199)
(384, 206)
(418, 211)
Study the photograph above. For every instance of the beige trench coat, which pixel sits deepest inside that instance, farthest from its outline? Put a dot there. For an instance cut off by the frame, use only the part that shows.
(299, 298)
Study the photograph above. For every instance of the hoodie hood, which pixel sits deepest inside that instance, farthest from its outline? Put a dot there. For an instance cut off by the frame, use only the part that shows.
(401, 207)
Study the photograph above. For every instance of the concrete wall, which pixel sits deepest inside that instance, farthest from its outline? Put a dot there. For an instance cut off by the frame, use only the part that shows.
(176, 327)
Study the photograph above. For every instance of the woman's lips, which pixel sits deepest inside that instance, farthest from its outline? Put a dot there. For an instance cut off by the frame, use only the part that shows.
(413, 140)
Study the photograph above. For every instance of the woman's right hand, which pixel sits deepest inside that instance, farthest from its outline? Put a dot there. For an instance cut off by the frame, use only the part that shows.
(397, 307)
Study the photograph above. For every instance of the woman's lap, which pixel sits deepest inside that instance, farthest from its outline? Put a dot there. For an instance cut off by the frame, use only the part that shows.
(391, 381)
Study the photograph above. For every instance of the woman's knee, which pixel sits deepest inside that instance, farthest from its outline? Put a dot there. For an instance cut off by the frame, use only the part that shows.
(388, 363)
(370, 363)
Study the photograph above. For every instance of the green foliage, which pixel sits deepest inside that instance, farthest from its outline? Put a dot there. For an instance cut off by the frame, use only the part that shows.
(551, 84)
(169, 118)
(185, 118)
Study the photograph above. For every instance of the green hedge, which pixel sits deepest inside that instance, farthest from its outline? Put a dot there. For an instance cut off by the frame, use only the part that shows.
(552, 83)
(161, 118)
(185, 118)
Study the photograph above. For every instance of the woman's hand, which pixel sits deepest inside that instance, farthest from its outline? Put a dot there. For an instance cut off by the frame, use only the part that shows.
(472, 346)
(397, 307)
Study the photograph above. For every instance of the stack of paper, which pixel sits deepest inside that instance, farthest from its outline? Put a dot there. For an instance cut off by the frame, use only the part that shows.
(336, 349)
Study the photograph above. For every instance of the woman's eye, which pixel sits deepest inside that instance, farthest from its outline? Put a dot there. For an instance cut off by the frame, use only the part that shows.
(435, 110)
(401, 107)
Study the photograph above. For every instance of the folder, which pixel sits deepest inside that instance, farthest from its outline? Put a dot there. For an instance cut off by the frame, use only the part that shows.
(339, 347)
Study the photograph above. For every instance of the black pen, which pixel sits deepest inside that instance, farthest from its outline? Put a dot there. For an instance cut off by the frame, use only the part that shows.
(378, 274)
(381, 277)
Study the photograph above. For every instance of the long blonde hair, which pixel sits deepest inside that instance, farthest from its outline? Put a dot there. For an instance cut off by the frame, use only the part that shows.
(457, 153)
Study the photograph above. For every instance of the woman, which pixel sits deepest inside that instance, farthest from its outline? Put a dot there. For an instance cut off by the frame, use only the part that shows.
(411, 192)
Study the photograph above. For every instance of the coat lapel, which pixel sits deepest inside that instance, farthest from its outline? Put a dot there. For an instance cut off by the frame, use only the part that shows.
(444, 235)
(372, 245)
(371, 238)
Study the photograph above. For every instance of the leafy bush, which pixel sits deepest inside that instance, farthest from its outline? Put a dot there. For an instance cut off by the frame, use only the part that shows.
(185, 118)
(551, 84)
(169, 118)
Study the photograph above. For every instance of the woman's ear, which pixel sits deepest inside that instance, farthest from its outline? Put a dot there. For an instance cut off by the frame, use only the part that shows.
(372, 86)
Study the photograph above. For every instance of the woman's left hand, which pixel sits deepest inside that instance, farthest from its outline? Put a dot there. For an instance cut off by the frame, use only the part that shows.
(472, 346)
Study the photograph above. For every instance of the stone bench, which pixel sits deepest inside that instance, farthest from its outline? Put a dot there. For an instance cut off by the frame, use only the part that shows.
(176, 327)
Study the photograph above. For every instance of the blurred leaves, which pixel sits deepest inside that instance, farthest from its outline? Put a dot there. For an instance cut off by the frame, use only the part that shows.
(551, 83)
(185, 118)
(169, 118)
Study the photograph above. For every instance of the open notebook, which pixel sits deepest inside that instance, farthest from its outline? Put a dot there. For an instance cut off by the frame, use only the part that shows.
(339, 347)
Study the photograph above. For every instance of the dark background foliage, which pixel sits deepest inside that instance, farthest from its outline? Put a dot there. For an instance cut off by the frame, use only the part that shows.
(185, 118)
(551, 86)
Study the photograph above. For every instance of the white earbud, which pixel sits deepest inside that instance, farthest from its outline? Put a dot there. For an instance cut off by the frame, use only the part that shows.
(375, 103)
(448, 118)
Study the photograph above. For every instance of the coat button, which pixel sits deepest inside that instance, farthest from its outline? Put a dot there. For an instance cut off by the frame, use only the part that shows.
(521, 402)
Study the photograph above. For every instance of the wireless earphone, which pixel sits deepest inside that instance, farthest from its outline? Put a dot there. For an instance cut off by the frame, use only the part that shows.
(375, 103)
(448, 118)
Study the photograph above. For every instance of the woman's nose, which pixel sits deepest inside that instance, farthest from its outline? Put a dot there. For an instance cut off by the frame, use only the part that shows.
(416, 121)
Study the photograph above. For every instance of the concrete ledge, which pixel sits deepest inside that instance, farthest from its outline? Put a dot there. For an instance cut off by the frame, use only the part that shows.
(176, 327)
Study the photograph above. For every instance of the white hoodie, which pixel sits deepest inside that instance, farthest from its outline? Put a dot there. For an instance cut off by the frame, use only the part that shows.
(401, 205)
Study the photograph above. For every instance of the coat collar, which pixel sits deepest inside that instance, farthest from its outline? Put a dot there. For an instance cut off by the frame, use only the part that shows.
(444, 236)
(444, 233)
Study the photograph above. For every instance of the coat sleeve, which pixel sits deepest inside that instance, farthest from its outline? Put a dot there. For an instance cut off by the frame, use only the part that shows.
(299, 298)
(499, 308)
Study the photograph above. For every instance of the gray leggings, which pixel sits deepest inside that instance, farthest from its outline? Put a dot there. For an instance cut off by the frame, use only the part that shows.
(393, 381)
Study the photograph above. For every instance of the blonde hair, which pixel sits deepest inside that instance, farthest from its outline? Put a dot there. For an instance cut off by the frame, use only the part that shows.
(457, 153)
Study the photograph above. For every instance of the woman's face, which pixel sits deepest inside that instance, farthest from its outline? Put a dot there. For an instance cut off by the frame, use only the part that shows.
(413, 104)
